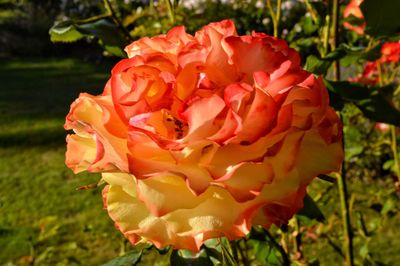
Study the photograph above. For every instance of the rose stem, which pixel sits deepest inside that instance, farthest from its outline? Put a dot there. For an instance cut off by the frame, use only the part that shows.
(171, 11)
(234, 249)
(284, 255)
(395, 153)
(276, 17)
(116, 20)
(343, 193)
(392, 132)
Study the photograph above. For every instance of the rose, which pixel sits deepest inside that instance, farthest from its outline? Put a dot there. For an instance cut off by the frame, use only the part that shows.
(205, 136)
(387, 63)
(353, 9)
(369, 76)
(390, 52)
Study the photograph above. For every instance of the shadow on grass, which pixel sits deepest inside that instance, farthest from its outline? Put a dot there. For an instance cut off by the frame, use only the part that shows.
(47, 86)
(36, 94)
(50, 137)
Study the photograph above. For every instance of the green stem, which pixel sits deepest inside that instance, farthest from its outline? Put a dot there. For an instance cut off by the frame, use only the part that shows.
(328, 178)
(395, 153)
(334, 30)
(284, 255)
(311, 10)
(92, 19)
(116, 20)
(275, 16)
(341, 181)
(171, 11)
(151, 6)
(325, 37)
(278, 18)
(344, 205)
(243, 252)
(393, 134)
(234, 248)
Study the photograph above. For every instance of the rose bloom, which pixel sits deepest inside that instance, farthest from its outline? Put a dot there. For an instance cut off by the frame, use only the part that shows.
(388, 62)
(369, 76)
(390, 52)
(353, 8)
(204, 136)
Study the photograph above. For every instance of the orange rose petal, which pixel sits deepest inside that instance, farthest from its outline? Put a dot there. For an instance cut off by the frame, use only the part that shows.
(200, 117)
(238, 183)
(259, 118)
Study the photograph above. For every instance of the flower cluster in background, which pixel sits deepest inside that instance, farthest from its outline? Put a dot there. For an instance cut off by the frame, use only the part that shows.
(353, 10)
(384, 69)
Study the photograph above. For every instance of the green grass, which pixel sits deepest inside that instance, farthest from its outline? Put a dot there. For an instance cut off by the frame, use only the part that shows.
(43, 219)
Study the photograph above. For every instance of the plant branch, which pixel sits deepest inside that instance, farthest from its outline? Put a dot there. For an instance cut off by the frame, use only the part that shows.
(341, 180)
(116, 20)
(328, 178)
(334, 33)
(393, 135)
(171, 11)
(92, 19)
(395, 153)
(275, 16)
(284, 255)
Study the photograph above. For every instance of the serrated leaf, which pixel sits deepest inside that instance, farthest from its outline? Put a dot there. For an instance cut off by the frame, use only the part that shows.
(375, 102)
(65, 32)
(129, 259)
(106, 32)
(311, 210)
(382, 17)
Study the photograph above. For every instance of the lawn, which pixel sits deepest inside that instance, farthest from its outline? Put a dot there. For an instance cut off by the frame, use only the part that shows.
(44, 220)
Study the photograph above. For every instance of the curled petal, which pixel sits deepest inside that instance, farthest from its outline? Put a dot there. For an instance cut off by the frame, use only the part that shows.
(97, 125)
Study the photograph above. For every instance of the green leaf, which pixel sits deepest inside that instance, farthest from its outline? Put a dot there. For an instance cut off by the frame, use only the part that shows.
(108, 35)
(317, 65)
(309, 26)
(227, 258)
(187, 257)
(265, 253)
(65, 31)
(355, 54)
(129, 259)
(375, 103)
(382, 17)
(389, 206)
(106, 32)
(388, 165)
(311, 210)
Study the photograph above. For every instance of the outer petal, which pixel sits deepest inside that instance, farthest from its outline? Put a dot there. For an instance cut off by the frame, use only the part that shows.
(92, 118)
(214, 213)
